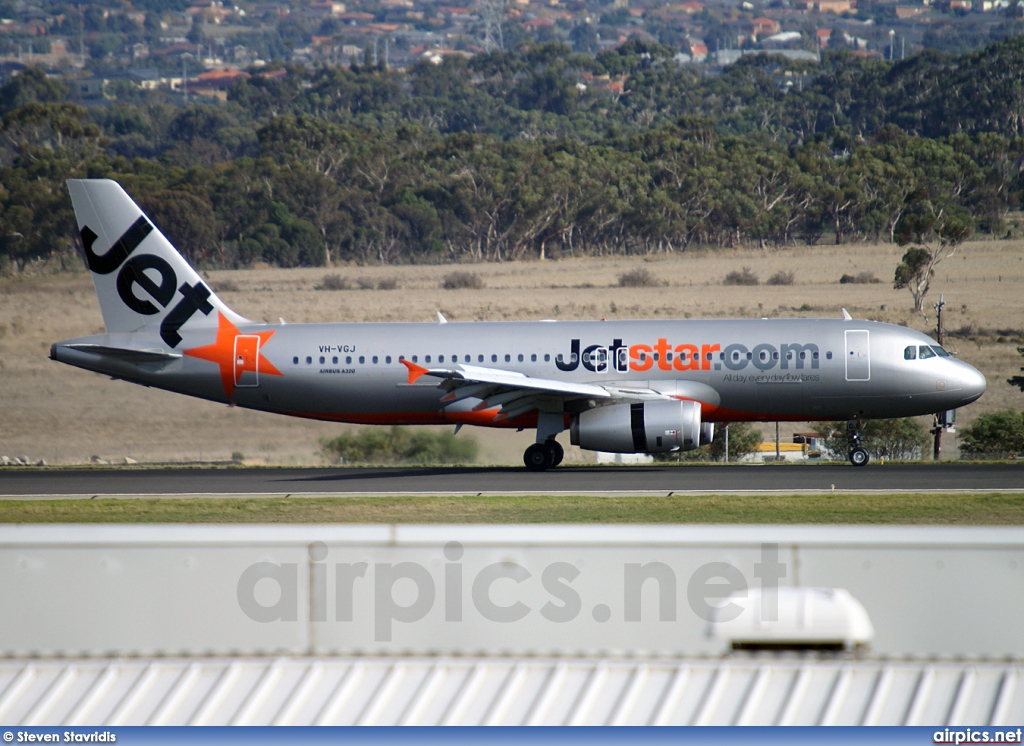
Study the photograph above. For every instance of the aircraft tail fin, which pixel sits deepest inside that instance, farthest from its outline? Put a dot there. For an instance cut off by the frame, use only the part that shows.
(142, 281)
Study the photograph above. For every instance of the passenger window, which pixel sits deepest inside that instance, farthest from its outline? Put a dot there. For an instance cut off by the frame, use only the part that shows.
(828, 355)
(494, 358)
(334, 360)
(520, 358)
(508, 358)
(295, 361)
(775, 355)
(668, 357)
(910, 353)
(533, 358)
(374, 359)
(309, 360)
(479, 358)
(348, 360)
(387, 359)
(925, 352)
(362, 359)
(415, 358)
(426, 359)
(440, 358)
(321, 360)
(547, 358)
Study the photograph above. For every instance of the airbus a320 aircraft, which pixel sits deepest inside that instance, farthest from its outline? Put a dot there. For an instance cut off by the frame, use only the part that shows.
(619, 386)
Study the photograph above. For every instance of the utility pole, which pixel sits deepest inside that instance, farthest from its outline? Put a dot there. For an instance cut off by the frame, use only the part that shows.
(939, 419)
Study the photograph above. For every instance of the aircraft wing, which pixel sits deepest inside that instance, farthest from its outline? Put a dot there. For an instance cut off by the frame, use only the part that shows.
(517, 393)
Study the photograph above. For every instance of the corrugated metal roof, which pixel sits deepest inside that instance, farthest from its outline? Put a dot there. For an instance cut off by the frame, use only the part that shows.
(474, 691)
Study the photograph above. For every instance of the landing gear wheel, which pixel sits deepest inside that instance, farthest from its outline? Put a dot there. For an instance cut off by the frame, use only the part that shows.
(539, 457)
(557, 450)
(858, 456)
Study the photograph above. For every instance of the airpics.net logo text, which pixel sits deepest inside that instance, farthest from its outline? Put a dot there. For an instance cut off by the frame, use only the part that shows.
(269, 592)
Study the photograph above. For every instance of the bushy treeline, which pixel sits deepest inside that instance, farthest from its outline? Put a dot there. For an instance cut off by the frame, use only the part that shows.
(513, 155)
(995, 435)
(400, 445)
(904, 439)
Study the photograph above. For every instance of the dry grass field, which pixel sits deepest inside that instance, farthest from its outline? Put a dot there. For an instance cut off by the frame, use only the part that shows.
(65, 415)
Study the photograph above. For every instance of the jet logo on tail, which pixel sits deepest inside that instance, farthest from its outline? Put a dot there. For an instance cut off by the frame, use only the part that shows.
(133, 272)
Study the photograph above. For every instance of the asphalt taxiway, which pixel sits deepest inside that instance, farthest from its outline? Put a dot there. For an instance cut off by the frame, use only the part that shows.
(589, 480)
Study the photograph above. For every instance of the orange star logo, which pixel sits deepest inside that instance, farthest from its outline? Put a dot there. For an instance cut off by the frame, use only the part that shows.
(236, 354)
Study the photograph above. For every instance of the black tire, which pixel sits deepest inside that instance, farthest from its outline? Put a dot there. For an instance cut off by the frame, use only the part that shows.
(539, 457)
(859, 457)
(558, 452)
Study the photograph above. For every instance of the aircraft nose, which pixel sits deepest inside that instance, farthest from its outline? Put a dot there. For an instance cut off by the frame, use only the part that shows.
(972, 384)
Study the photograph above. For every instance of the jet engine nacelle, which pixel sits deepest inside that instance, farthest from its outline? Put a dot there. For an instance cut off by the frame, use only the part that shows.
(645, 427)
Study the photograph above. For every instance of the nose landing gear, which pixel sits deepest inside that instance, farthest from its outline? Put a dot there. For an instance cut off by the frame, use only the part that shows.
(858, 456)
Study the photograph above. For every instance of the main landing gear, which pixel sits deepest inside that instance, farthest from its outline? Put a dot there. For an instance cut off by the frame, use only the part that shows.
(858, 456)
(546, 453)
(543, 456)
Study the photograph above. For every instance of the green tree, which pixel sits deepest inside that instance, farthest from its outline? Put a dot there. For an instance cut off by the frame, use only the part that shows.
(744, 439)
(994, 434)
(30, 85)
(936, 227)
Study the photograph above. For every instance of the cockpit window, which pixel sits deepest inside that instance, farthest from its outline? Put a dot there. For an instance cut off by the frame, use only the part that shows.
(926, 352)
(940, 352)
(910, 353)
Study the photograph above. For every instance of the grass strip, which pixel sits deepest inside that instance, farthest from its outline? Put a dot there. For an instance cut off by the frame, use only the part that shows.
(956, 509)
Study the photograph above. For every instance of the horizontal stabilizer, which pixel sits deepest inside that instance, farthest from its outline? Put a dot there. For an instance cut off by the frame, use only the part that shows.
(126, 354)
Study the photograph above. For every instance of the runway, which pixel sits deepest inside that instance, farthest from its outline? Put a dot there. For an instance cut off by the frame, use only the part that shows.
(590, 480)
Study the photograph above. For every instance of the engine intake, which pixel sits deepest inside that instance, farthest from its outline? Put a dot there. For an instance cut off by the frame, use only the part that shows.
(645, 427)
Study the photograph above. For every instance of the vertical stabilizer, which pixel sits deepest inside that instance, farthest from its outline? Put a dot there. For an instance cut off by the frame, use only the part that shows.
(143, 283)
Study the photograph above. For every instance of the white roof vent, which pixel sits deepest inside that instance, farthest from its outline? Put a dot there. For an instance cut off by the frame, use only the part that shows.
(803, 619)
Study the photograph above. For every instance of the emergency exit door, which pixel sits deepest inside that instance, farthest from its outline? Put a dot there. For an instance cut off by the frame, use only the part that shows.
(247, 360)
